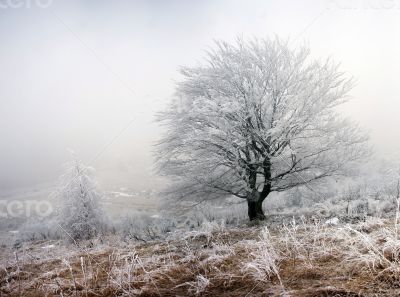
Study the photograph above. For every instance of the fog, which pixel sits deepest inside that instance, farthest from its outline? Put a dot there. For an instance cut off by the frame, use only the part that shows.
(90, 75)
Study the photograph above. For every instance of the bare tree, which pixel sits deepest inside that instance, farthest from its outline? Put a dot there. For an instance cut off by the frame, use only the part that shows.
(256, 117)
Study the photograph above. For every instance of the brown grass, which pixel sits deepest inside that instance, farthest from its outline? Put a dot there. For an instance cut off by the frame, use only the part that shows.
(200, 265)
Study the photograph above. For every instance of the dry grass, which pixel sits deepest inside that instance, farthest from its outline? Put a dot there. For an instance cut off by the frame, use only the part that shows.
(298, 259)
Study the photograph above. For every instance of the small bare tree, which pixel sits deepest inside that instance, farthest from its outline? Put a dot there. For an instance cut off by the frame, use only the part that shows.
(80, 213)
(256, 117)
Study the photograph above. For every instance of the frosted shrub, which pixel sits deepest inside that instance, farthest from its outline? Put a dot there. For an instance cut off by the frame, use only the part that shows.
(230, 213)
(80, 215)
(359, 206)
(39, 230)
(143, 227)
(321, 210)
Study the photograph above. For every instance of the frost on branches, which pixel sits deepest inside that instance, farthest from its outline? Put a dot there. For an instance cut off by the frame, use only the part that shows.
(256, 117)
(80, 214)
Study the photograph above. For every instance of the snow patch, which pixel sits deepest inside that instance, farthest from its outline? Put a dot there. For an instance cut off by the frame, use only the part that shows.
(332, 222)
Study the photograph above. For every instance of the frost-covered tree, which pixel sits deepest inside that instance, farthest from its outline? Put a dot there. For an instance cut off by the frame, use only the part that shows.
(80, 214)
(256, 117)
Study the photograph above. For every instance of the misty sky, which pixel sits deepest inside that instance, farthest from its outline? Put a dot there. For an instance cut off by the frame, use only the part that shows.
(90, 75)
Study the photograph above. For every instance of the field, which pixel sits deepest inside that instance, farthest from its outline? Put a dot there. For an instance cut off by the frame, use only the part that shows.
(302, 257)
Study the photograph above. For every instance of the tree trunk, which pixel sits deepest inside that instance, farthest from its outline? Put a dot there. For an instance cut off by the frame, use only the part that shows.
(255, 211)
(255, 198)
(254, 203)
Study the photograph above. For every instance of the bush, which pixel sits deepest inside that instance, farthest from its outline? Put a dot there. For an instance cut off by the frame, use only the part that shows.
(40, 230)
(144, 227)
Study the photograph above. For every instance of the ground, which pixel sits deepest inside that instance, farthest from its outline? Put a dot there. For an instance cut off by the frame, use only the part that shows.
(300, 258)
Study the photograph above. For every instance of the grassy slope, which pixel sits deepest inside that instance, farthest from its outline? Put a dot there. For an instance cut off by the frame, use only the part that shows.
(294, 260)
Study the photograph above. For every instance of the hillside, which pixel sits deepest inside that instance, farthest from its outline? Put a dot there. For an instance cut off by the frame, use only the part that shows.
(290, 259)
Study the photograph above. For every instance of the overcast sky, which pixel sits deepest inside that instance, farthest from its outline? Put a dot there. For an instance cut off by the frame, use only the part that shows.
(89, 75)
